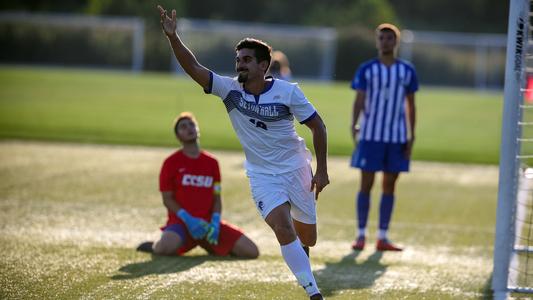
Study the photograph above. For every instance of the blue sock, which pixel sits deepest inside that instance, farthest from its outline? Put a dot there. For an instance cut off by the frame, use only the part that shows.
(385, 211)
(363, 206)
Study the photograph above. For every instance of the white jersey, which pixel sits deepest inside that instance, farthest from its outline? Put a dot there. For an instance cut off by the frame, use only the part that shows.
(265, 123)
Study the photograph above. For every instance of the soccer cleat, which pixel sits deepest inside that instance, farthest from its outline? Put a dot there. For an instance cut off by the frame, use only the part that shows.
(146, 247)
(386, 245)
(359, 244)
(316, 297)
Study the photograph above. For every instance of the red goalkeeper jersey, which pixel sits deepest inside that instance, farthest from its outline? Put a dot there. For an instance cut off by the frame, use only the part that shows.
(192, 180)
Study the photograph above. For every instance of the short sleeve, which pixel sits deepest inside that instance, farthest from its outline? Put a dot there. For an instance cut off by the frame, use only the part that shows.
(359, 80)
(413, 82)
(221, 85)
(300, 107)
(166, 177)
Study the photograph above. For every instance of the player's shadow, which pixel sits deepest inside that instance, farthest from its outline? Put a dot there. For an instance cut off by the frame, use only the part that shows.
(347, 273)
(164, 265)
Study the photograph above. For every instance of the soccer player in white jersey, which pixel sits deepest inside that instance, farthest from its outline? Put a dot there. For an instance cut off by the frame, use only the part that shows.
(262, 112)
(383, 127)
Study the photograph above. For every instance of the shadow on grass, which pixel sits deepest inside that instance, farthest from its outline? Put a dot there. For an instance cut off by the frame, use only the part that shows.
(487, 292)
(165, 265)
(349, 274)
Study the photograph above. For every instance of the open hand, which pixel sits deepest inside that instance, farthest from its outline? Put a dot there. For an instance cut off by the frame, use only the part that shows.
(168, 24)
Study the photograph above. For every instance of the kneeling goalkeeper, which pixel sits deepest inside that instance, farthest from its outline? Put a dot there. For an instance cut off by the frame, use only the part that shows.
(190, 186)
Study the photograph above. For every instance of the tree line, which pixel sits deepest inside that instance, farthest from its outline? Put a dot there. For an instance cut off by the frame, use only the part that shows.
(450, 15)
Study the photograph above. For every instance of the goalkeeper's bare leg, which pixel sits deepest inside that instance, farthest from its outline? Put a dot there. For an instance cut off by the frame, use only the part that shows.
(245, 248)
(168, 244)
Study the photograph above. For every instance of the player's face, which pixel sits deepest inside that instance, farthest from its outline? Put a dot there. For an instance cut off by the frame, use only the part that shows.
(386, 42)
(247, 67)
(187, 131)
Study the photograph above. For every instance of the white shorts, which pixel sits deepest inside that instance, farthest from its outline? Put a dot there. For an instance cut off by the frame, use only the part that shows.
(272, 190)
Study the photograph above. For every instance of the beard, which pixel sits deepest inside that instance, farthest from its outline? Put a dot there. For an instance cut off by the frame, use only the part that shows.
(243, 77)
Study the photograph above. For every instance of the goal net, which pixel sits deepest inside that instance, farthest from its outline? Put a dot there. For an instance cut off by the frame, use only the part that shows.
(513, 247)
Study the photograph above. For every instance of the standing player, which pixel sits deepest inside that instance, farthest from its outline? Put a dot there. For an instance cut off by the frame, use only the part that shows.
(385, 88)
(190, 186)
(262, 113)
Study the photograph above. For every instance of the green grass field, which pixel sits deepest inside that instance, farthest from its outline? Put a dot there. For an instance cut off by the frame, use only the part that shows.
(73, 210)
(122, 108)
(71, 216)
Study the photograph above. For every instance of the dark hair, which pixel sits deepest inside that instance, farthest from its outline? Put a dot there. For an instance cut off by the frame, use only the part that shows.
(261, 49)
(184, 115)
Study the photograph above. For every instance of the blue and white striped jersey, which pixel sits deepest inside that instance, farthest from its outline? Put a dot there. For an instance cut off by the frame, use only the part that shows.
(383, 118)
(265, 123)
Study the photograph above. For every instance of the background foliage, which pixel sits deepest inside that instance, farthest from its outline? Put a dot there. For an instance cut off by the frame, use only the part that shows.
(354, 21)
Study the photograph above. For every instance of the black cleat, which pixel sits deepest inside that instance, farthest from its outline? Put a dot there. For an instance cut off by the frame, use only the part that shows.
(146, 247)
(316, 297)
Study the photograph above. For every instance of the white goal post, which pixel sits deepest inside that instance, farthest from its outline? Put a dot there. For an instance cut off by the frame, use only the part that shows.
(514, 195)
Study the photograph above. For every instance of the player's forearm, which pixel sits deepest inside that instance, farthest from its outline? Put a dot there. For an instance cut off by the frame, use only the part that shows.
(357, 108)
(320, 144)
(217, 204)
(412, 121)
(170, 203)
(411, 114)
(188, 61)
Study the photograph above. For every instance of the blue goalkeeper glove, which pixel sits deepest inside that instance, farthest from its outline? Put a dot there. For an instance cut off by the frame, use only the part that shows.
(214, 229)
(196, 226)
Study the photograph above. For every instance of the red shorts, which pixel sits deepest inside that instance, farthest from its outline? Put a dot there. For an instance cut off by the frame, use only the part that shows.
(229, 234)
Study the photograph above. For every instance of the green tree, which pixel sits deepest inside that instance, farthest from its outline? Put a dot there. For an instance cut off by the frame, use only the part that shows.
(157, 55)
(366, 13)
(453, 15)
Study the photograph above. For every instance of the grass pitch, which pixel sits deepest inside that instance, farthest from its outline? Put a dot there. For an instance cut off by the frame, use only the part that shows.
(453, 125)
(71, 216)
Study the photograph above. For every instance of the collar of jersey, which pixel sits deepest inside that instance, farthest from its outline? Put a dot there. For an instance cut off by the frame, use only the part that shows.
(267, 88)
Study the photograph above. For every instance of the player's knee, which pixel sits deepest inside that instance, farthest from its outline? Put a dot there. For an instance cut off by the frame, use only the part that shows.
(245, 248)
(252, 252)
(284, 232)
(163, 249)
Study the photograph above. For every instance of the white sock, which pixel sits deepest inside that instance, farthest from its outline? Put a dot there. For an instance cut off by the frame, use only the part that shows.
(300, 266)
(382, 234)
(362, 232)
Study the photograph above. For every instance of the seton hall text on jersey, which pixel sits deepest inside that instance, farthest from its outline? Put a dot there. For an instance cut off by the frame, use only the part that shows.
(264, 110)
(197, 180)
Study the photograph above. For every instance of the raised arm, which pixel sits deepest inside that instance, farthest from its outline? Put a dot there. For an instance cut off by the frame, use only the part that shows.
(185, 57)
(320, 143)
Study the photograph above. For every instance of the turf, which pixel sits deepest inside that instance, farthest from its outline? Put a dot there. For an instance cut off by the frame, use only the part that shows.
(72, 214)
(454, 125)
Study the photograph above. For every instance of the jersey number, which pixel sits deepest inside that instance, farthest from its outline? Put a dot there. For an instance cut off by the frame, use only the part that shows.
(259, 124)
